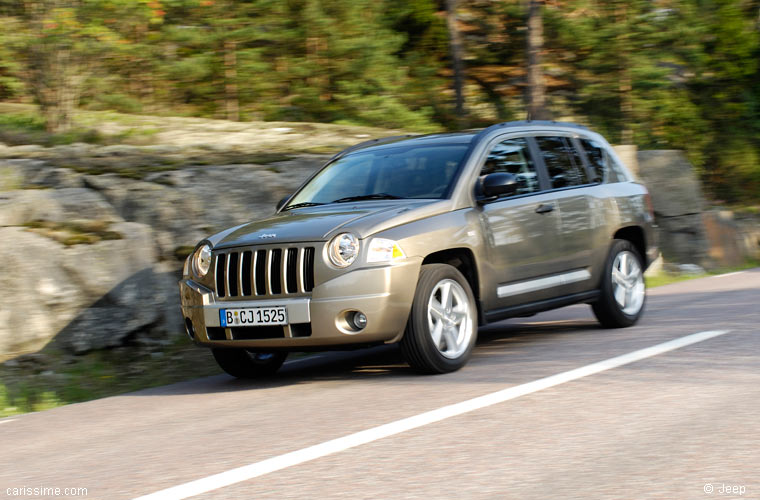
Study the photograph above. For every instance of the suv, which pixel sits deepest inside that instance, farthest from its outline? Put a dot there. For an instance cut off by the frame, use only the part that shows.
(421, 239)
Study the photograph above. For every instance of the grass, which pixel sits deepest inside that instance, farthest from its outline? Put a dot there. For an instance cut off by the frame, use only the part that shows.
(29, 128)
(50, 379)
(665, 278)
(22, 124)
(75, 232)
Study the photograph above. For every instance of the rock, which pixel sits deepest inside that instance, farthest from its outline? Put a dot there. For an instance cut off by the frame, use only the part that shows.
(44, 297)
(114, 292)
(26, 148)
(118, 150)
(73, 150)
(10, 178)
(19, 172)
(691, 269)
(656, 267)
(164, 149)
(58, 178)
(57, 205)
(678, 204)
(733, 239)
(672, 182)
(80, 203)
(83, 297)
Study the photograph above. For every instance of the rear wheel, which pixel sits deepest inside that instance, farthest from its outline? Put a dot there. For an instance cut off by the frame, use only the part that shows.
(242, 363)
(622, 292)
(442, 326)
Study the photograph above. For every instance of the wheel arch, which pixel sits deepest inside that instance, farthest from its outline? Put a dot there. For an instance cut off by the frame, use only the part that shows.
(637, 237)
(463, 259)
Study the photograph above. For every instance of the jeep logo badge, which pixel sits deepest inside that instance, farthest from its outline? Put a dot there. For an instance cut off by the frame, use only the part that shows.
(268, 235)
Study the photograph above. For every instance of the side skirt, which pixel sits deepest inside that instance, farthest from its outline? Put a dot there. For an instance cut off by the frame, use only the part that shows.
(540, 306)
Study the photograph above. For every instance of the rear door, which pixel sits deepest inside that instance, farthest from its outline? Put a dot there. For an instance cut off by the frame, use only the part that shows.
(573, 193)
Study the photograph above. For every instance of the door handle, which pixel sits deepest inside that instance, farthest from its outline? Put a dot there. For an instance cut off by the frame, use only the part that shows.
(545, 208)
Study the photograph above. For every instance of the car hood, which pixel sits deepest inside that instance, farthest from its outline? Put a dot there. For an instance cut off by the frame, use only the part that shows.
(320, 223)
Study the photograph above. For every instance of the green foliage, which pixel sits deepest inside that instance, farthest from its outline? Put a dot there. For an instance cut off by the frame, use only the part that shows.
(25, 128)
(681, 74)
(50, 378)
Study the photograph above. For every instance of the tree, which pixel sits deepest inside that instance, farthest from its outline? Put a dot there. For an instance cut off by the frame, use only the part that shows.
(457, 57)
(62, 43)
(536, 91)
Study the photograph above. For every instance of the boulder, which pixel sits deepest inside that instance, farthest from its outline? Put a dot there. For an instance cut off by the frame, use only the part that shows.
(678, 205)
(83, 297)
(120, 289)
(57, 205)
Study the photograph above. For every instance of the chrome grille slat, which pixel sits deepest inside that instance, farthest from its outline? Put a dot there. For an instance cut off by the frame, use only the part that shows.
(254, 263)
(227, 276)
(268, 273)
(300, 268)
(256, 272)
(284, 271)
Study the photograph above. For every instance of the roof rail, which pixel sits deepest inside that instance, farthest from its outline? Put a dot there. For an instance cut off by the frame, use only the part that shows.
(524, 123)
(371, 142)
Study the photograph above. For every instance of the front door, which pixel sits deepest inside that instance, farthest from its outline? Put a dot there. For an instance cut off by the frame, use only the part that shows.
(521, 230)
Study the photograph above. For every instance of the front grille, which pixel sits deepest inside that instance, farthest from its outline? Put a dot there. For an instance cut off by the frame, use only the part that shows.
(260, 273)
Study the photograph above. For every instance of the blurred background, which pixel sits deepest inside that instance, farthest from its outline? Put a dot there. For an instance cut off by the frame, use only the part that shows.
(661, 74)
(131, 129)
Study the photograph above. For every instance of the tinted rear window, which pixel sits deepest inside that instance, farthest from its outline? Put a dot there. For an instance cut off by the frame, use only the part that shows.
(562, 162)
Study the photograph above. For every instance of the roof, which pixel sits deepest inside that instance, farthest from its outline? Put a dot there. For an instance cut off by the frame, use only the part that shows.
(463, 137)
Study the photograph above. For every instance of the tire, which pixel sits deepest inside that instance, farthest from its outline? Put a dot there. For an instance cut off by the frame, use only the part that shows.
(242, 363)
(440, 339)
(622, 291)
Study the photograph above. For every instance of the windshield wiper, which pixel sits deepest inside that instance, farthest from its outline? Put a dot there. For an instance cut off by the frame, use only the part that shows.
(303, 204)
(373, 196)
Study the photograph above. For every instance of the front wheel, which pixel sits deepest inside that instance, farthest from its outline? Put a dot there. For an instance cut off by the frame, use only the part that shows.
(442, 326)
(622, 292)
(242, 363)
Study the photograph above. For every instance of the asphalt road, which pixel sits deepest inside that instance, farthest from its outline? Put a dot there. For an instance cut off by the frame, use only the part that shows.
(678, 424)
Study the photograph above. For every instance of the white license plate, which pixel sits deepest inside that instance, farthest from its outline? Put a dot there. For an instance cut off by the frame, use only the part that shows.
(253, 316)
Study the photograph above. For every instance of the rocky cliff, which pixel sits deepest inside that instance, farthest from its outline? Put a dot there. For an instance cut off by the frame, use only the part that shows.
(93, 238)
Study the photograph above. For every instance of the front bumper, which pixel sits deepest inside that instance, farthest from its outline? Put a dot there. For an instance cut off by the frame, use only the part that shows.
(384, 294)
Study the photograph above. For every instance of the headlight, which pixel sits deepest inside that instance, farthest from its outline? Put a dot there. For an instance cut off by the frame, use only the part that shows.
(202, 261)
(343, 250)
(383, 250)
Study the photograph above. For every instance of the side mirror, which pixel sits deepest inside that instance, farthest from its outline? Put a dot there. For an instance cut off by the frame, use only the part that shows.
(282, 202)
(498, 184)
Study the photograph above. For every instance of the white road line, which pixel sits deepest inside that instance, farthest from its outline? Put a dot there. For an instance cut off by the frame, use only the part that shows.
(8, 420)
(280, 462)
(727, 274)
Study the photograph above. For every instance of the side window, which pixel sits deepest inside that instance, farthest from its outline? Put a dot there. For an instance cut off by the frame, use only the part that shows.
(512, 156)
(562, 162)
(597, 159)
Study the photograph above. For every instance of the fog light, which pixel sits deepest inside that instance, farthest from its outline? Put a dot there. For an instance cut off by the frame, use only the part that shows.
(359, 320)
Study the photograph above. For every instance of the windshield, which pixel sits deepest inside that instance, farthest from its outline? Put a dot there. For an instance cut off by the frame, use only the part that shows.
(387, 173)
